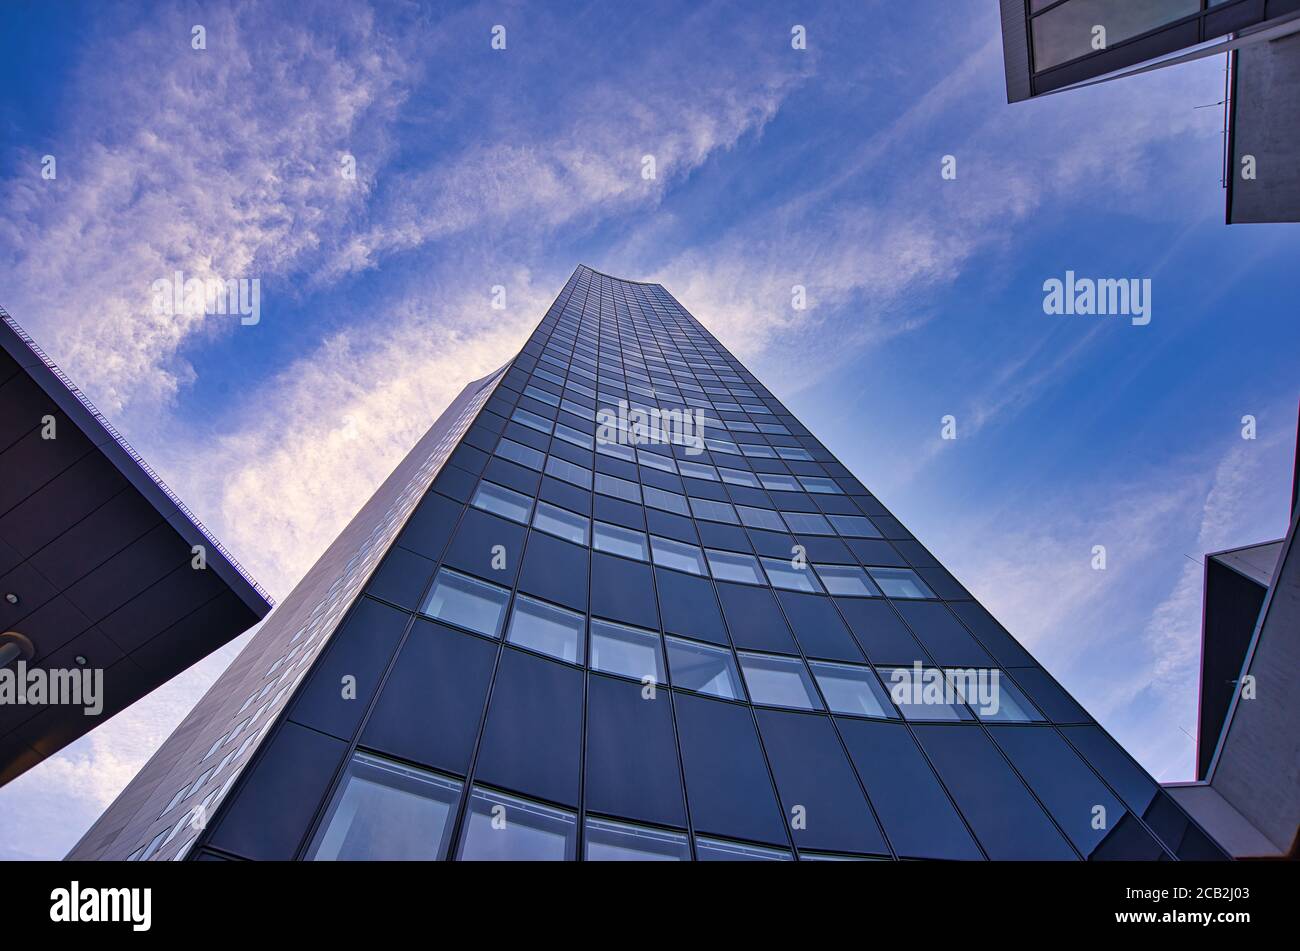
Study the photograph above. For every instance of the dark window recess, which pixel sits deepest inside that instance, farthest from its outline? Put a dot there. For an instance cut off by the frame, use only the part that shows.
(727, 783)
(432, 701)
(631, 768)
(754, 620)
(919, 820)
(823, 802)
(1006, 820)
(288, 781)
(343, 682)
(534, 729)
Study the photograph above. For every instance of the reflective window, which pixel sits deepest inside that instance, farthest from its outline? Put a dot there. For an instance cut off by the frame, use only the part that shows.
(668, 501)
(530, 832)
(703, 668)
(672, 554)
(387, 811)
(697, 471)
(848, 580)
(731, 566)
(720, 850)
(783, 574)
(1066, 32)
(630, 651)
(760, 518)
(822, 486)
(467, 602)
(779, 681)
(545, 628)
(568, 471)
(618, 488)
(923, 693)
(713, 511)
(501, 501)
(655, 460)
(621, 541)
(992, 695)
(808, 524)
(851, 689)
(900, 583)
(781, 483)
(618, 842)
(854, 526)
(524, 455)
(738, 477)
(561, 523)
(532, 420)
(570, 435)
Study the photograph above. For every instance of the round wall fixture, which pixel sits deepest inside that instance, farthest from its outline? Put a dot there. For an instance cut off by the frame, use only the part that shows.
(11, 597)
(15, 647)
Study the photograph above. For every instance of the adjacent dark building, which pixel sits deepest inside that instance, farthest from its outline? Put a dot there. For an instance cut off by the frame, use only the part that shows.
(547, 636)
(1054, 45)
(102, 567)
(1247, 786)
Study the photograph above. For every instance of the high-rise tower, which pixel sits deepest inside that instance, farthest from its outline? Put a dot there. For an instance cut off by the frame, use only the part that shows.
(619, 603)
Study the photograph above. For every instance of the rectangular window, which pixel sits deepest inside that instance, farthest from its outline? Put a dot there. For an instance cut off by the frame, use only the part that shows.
(778, 482)
(572, 436)
(923, 693)
(531, 420)
(712, 511)
(618, 488)
(703, 668)
(467, 602)
(621, 541)
(1068, 31)
(779, 681)
(731, 566)
(854, 526)
(852, 690)
(848, 580)
(668, 501)
(820, 486)
(387, 811)
(992, 695)
(697, 470)
(573, 474)
(807, 523)
(546, 628)
(618, 842)
(719, 850)
(561, 523)
(531, 832)
(783, 574)
(739, 477)
(900, 583)
(671, 554)
(628, 651)
(502, 501)
(516, 452)
(760, 518)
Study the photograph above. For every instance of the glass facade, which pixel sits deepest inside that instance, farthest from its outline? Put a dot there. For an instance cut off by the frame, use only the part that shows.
(645, 614)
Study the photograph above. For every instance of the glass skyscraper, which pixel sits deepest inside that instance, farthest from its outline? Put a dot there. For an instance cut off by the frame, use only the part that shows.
(620, 603)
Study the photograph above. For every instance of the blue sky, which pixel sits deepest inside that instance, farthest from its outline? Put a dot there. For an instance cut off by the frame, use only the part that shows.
(775, 167)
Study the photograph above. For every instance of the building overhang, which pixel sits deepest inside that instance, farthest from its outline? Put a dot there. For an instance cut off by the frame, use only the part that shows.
(98, 563)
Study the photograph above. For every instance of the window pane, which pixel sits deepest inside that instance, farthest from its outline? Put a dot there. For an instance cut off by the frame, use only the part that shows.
(630, 651)
(668, 501)
(847, 580)
(783, 574)
(524, 455)
(387, 811)
(697, 471)
(655, 460)
(807, 523)
(900, 583)
(671, 554)
(568, 471)
(617, 842)
(739, 477)
(546, 628)
(502, 501)
(621, 541)
(782, 483)
(467, 602)
(571, 435)
(923, 693)
(702, 668)
(824, 486)
(779, 682)
(1066, 32)
(854, 526)
(992, 695)
(853, 690)
(619, 488)
(760, 518)
(531, 832)
(719, 850)
(561, 522)
(730, 566)
(531, 420)
(713, 511)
